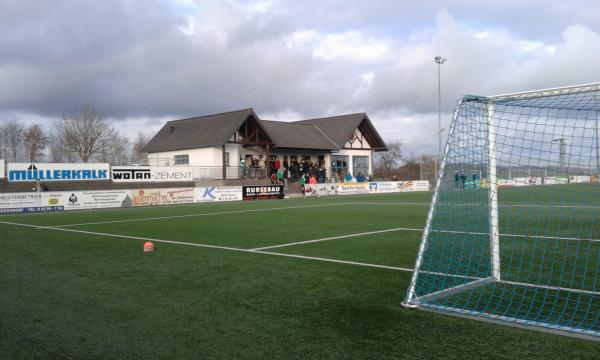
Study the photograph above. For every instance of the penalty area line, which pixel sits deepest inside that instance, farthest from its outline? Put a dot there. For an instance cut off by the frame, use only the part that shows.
(227, 248)
(335, 238)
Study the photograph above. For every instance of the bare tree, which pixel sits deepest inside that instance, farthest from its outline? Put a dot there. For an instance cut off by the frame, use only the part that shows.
(3, 143)
(35, 141)
(386, 163)
(11, 139)
(85, 133)
(57, 151)
(115, 151)
(138, 146)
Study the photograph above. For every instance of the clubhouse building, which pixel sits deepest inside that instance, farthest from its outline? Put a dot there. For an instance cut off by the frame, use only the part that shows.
(230, 145)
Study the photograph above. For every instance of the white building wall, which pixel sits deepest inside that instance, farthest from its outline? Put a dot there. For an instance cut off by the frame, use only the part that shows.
(207, 162)
(197, 157)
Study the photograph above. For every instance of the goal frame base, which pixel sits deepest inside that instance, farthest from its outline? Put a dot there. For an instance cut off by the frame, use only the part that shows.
(511, 322)
(422, 303)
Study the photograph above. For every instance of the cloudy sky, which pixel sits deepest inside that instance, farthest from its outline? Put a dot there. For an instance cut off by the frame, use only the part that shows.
(144, 62)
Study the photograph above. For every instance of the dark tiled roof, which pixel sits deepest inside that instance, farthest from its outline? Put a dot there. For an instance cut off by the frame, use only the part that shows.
(212, 130)
(198, 132)
(298, 136)
(338, 128)
(341, 128)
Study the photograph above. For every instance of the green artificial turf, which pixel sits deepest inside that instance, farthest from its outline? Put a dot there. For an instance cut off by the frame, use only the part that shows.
(80, 295)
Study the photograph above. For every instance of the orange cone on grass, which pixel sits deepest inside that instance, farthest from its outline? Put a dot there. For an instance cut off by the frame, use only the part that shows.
(148, 247)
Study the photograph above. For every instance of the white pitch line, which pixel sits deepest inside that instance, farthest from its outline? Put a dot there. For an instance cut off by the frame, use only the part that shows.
(289, 208)
(332, 260)
(419, 230)
(336, 238)
(483, 204)
(549, 287)
(250, 251)
(227, 213)
(519, 235)
(199, 214)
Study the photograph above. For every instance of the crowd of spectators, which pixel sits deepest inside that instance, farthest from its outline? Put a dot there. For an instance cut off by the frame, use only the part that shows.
(303, 171)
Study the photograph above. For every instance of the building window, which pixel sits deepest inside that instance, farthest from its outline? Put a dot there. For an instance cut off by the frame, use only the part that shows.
(360, 165)
(182, 159)
(339, 167)
(226, 159)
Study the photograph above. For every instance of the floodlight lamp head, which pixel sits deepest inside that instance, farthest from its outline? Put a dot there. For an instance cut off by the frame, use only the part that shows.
(440, 60)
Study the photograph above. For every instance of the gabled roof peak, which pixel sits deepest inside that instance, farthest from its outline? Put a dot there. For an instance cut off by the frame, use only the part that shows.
(211, 115)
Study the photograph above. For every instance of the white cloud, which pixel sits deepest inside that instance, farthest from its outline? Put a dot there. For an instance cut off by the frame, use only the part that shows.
(289, 59)
(349, 46)
(352, 46)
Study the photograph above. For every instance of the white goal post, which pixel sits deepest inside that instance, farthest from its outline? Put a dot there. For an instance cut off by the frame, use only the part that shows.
(503, 246)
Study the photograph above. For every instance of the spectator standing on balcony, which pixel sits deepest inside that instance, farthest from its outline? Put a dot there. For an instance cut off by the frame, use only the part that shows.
(277, 164)
(348, 177)
(302, 182)
(360, 178)
(261, 166)
(286, 176)
(321, 174)
(294, 170)
(242, 167)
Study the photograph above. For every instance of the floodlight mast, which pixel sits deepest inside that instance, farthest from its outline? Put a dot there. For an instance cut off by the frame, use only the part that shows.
(439, 60)
(562, 154)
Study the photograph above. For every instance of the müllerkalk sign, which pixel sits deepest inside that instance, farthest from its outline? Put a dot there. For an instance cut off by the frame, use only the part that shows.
(57, 172)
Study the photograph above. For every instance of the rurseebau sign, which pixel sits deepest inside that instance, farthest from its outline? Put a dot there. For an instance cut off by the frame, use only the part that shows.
(152, 174)
(262, 192)
(57, 172)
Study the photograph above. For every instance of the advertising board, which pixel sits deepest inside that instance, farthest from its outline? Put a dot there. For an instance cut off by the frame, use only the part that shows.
(151, 173)
(352, 188)
(556, 180)
(423, 185)
(527, 181)
(322, 189)
(580, 179)
(57, 172)
(218, 194)
(26, 202)
(384, 186)
(151, 197)
(262, 192)
(473, 184)
(63, 200)
(97, 199)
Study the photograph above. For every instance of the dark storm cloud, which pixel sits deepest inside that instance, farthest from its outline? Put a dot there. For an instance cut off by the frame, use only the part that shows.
(156, 59)
(131, 58)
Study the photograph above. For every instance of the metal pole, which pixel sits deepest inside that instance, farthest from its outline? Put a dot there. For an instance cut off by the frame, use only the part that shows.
(439, 60)
(597, 150)
(411, 295)
(439, 112)
(492, 191)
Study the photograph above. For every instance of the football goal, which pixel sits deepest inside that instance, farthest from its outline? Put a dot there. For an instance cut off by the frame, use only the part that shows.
(513, 230)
